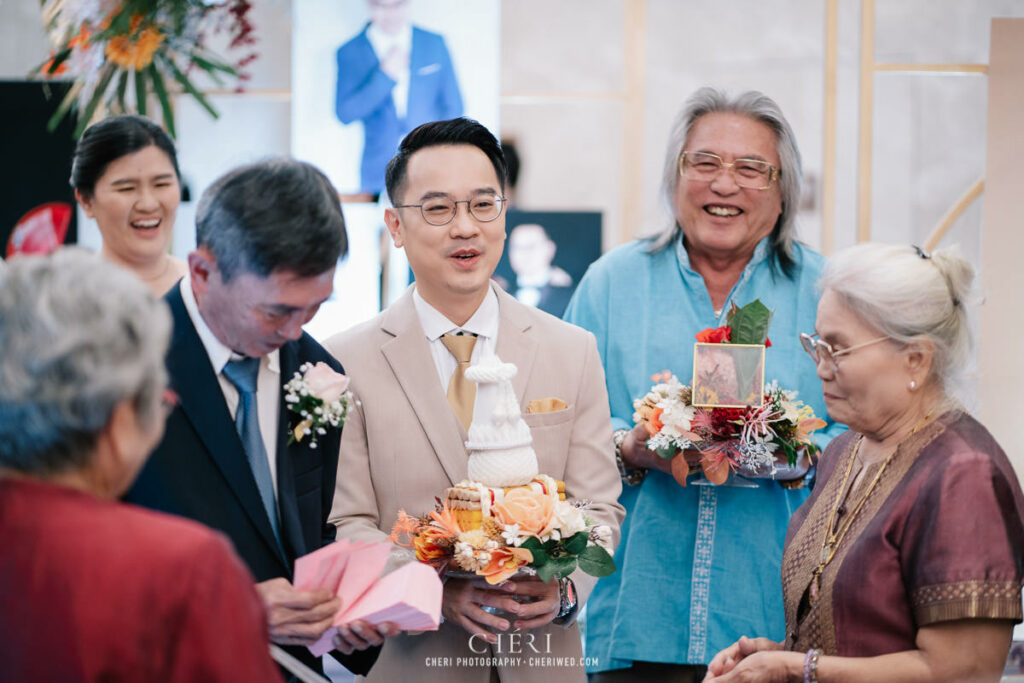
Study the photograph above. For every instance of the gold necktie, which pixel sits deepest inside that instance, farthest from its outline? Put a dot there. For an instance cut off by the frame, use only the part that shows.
(461, 392)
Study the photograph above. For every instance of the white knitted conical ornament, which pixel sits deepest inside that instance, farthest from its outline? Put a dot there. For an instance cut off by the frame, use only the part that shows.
(499, 444)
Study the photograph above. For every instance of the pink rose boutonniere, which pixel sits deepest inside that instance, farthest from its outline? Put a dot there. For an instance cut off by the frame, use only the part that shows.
(320, 397)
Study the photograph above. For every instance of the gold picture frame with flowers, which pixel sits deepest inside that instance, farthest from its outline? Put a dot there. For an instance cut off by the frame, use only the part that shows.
(728, 375)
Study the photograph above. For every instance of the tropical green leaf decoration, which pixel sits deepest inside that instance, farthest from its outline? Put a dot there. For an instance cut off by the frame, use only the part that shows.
(120, 54)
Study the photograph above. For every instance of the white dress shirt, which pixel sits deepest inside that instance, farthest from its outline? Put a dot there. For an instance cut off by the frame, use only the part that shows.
(382, 43)
(483, 323)
(268, 381)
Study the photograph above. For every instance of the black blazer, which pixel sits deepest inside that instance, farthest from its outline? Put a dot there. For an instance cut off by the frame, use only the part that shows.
(200, 471)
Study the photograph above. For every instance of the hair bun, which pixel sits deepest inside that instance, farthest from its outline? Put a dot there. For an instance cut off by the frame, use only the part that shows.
(957, 271)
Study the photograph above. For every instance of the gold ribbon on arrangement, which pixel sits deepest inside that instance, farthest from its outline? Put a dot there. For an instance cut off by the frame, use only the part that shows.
(461, 392)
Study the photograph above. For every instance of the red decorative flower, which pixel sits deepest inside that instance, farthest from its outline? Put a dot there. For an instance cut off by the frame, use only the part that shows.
(715, 335)
(726, 422)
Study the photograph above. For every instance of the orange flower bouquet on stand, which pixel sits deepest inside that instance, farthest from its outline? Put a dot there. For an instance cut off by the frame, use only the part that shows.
(728, 414)
(506, 518)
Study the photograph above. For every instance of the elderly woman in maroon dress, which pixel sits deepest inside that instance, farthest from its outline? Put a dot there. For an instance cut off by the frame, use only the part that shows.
(906, 562)
(92, 589)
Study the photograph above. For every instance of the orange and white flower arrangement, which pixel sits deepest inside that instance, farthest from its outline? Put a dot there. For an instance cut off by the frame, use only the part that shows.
(527, 530)
(320, 397)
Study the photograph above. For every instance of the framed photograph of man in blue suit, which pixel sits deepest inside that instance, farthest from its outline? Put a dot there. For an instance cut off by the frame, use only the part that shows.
(366, 72)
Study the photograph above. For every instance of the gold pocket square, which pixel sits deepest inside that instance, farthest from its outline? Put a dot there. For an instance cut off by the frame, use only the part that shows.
(545, 405)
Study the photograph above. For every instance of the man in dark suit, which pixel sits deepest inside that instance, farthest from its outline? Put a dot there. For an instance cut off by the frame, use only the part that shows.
(538, 282)
(393, 76)
(269, 236)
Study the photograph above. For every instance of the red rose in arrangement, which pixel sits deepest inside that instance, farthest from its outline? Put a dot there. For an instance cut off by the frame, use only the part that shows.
(715, 335)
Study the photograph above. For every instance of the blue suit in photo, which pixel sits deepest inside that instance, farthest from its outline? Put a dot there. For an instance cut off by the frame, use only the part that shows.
(364, 94)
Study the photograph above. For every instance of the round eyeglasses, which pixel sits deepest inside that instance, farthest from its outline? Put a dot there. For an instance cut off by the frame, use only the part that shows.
(441, 210)
(820, 350)
(704, 167)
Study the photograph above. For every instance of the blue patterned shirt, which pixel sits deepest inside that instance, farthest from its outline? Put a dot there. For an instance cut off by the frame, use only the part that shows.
(702, 567)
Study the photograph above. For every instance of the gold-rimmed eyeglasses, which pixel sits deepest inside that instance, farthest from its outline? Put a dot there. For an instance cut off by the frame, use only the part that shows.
(704, 167)
(441, 210)
(820, 350)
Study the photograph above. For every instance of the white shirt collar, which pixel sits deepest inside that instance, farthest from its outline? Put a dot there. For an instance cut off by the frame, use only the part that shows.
(218, 353)
(382, 42)
(483, 323)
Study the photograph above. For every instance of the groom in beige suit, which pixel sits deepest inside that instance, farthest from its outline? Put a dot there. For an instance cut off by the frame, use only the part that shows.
(405, 444)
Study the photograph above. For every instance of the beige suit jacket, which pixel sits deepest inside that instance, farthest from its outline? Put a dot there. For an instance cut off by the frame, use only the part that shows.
(404, 446)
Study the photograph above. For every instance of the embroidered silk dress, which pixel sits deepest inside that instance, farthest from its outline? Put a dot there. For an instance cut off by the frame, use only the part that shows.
(698, 566)
(941, 537)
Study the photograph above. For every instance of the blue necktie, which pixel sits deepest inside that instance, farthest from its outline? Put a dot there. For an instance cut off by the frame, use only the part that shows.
(242, 373)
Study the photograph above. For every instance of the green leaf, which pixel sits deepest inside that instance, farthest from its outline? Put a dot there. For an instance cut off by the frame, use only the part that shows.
(190, 89)
(85, 116)
(165, 101)
(540, 556)
(212, 73)
(576, 543)
(122, 89)
(122, 22)
(211, 64)
(750, 323)
(58, 59)
(790, 453)
(596, 561)
(64, 106)
(140, 92)
(532, 544)
(558, 566)
(666, 452)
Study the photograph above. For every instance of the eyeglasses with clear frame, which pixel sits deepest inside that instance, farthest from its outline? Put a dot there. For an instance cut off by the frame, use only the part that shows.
(820, 350)
(440, 211)
(704, 167)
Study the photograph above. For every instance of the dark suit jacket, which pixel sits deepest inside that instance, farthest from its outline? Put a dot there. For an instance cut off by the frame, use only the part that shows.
(200, 471)
(553, 299)
(364, 94)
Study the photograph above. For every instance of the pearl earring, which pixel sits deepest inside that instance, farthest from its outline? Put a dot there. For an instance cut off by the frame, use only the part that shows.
(913, 385)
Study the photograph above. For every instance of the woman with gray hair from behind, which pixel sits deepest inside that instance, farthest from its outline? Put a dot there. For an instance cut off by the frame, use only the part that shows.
(732, 185)
(93, 589)
(907, 561)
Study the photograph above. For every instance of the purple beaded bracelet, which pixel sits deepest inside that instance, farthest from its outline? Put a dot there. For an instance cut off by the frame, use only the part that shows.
(811, 666)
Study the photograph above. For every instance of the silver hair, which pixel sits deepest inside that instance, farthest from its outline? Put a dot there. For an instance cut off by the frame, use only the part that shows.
(758, 107)
(79, 335)
(906, 294)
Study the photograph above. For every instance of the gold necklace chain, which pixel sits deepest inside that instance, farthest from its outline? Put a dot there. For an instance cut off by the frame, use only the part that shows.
(834, 534)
